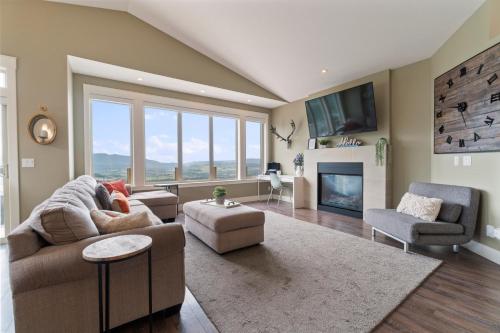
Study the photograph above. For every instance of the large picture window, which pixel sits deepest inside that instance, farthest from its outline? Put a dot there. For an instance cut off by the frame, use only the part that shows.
(224, 147)
(147, 140)
(111, 148)
(253, 148)
(160, 131)
(195, 147)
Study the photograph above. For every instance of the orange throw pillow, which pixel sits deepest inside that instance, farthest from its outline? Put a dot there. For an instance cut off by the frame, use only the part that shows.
(118, 185)
(119, 202)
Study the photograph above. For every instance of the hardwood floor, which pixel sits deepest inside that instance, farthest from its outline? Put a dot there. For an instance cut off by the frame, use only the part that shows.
(462, 295)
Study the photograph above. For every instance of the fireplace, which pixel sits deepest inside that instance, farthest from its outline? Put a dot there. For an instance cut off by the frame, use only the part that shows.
(340, 188)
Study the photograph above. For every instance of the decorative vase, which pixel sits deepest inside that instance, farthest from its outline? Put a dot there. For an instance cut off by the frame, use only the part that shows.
(220, 200)
(299, 170)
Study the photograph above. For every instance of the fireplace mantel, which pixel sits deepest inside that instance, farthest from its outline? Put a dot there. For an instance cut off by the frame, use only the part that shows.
(376, 178)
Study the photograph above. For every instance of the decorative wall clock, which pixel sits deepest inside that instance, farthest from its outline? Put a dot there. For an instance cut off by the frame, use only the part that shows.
(467, 105)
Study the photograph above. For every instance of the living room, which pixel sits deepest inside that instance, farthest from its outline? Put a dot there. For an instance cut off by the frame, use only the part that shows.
(214, 166)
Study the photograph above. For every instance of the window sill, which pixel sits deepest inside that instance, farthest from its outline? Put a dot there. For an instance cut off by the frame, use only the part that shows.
(186, 184)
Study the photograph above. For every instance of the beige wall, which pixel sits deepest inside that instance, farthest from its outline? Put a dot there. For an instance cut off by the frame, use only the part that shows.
(478, 33)
(41, 34)
(280, 117)
(411, 125)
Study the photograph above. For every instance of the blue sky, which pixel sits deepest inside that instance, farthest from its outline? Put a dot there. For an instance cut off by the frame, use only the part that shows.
(111, 134)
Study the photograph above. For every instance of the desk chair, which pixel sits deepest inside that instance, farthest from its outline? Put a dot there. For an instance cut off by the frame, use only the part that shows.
(275, 185)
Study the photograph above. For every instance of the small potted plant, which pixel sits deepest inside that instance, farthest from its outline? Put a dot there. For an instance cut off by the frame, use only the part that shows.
(298, 162)
(323, 143)
(219, 194)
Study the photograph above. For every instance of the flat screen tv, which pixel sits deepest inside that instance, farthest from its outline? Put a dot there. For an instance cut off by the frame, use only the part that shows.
(345, 112)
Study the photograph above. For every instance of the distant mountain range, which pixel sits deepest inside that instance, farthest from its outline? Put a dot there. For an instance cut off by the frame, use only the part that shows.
(114, 166)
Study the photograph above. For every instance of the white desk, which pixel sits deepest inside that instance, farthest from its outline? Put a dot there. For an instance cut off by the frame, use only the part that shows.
(297, 184)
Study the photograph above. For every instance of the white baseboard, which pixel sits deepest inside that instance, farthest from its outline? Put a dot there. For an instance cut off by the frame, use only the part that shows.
(484, 251)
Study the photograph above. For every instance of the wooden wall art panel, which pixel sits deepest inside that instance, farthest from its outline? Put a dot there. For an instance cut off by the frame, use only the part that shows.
(467, 106)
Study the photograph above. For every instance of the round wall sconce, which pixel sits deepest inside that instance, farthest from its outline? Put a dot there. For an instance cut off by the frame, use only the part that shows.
(42, 129)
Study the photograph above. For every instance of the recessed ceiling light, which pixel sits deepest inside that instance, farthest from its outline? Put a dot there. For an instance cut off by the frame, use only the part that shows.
(324, 70)
(249, 100)
(139, 79)
(202, 91)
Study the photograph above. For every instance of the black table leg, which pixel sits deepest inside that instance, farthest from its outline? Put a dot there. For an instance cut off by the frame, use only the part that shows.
(99, 280)
(150, 293)
(106, 287)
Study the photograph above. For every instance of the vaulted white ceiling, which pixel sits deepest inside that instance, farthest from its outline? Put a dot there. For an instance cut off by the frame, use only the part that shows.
(283, 45)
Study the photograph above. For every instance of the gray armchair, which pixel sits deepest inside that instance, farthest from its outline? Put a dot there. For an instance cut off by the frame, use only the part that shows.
(455, 224)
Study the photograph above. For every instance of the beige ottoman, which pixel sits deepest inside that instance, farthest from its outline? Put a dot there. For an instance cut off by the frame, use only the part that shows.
(224, 229)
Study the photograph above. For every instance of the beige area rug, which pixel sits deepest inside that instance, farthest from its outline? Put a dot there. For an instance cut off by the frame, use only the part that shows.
(303, 278)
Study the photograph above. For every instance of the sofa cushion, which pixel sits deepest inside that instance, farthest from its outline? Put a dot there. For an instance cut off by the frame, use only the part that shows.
(420, 207)
(224, 219)
(103, 196)
(118, 185)
(143, 208)
(449, 212)
(62, 223)
(119, 202)
(108, 222)
(155, 198)
(407, 227)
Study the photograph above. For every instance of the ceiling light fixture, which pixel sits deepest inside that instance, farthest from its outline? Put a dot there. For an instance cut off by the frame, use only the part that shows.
(139, 79)
(324, 70)
(202, 91)
(249, 100)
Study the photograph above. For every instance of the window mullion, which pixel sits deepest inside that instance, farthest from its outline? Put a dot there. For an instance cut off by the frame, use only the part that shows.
(241, 145)
(211, 168)
(178, 175)
(138, 143)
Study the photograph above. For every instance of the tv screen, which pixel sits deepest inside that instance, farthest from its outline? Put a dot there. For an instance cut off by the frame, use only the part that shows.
(341, 113)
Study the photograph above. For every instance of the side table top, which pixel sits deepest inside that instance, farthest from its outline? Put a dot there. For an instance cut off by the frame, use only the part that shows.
(116, 248)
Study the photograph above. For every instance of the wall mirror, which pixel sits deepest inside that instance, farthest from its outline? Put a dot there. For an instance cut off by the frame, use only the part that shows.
(42, 129)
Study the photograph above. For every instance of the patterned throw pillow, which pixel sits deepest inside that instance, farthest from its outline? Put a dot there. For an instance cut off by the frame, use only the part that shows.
(119, 202)
(108, 222)
(424, 208)
(103, 196)
(118, 185)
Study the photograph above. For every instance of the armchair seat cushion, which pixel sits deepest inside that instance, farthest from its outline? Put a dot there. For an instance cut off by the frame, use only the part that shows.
(407, 227)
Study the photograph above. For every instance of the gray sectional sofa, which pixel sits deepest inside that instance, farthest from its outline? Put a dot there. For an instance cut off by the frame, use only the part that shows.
(55, 290)
(455, 224)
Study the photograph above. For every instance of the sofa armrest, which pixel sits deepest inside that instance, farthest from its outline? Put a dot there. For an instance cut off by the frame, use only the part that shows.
(63, 263)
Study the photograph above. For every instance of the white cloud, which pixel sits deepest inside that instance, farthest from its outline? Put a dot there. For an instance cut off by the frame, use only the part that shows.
(111, 147)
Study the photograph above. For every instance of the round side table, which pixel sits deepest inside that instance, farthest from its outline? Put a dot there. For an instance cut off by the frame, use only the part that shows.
(111, 250)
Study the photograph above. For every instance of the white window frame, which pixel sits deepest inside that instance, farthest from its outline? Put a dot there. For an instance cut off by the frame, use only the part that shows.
(141, 100)
(8, 96)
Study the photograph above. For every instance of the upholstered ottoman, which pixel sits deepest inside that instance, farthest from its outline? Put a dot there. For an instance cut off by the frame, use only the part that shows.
(224, 229)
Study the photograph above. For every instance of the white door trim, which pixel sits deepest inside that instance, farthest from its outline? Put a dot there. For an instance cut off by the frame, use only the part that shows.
(9, 93)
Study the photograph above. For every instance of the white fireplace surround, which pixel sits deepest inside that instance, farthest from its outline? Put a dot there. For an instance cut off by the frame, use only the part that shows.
(376, 178)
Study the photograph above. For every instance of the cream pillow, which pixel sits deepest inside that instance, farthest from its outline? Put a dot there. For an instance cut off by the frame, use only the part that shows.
(424, 208)
(108, 222)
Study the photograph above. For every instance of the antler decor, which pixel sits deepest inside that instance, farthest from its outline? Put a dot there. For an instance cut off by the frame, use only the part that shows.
(288, 139)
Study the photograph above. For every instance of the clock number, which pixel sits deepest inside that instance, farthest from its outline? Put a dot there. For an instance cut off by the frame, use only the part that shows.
(476, 137)
(449, 139)
(480, 69)
(492, 79)
(495, 97)
(489, 121)
(449, 83)
(442, 98)
(463, 71)
(461, 143)
(441, 129)
(439, 114)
